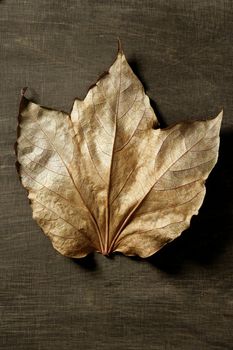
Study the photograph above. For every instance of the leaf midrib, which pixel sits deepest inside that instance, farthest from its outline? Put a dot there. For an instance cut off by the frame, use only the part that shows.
(106, 242)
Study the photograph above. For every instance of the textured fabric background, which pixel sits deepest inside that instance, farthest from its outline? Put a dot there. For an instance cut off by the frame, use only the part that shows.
(181, 298)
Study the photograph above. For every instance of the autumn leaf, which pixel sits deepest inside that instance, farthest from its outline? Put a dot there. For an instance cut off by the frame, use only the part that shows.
(106, 178)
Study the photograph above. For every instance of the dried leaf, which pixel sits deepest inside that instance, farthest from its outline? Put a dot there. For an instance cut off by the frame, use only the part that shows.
(107, 178)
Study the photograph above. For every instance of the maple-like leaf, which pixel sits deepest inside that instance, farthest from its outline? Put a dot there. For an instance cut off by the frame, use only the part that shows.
(106, 178)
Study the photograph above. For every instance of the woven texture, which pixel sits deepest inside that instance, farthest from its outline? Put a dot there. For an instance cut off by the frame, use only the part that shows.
(179, 298)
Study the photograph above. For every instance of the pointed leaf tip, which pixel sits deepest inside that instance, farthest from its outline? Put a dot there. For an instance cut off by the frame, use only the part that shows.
(220, 115)
(23, 91)
(120, 50)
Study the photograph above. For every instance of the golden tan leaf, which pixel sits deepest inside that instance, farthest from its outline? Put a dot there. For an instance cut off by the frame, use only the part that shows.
(107, 178)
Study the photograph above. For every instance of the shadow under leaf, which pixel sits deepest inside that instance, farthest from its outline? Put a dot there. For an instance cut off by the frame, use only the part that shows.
(88, 262)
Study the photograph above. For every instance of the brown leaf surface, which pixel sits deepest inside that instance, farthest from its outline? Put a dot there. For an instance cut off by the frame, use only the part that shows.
(106, 178)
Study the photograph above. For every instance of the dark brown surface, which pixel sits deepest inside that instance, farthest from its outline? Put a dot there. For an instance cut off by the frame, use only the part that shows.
(182, 297)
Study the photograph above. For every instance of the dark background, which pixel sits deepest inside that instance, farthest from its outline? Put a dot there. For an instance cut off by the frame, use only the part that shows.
(181, 298)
